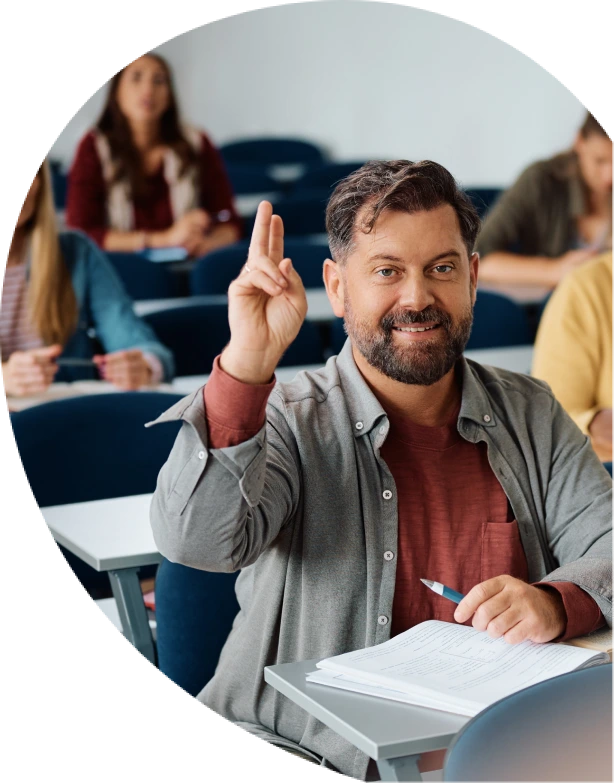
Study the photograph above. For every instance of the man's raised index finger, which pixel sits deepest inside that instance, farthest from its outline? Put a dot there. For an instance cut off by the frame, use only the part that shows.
(262, 226)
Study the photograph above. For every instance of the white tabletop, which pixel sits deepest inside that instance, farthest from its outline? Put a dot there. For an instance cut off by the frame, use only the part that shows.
(515, 359)
(381, 728)
(106, 534)
(318, 306)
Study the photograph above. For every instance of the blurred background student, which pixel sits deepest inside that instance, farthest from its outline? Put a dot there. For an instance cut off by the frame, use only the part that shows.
(140, 179)
(57, 288)
(557, 215)
(573, 350)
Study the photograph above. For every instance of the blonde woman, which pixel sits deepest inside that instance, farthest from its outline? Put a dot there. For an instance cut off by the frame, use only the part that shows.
(62, 298)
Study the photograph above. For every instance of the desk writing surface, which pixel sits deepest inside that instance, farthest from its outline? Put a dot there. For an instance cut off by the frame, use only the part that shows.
(106, 534)
(381, 728)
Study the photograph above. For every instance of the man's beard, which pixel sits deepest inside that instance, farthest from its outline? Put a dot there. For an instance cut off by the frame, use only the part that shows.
(421, 363)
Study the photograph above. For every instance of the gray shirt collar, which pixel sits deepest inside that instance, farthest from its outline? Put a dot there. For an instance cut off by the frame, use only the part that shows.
(366, 411)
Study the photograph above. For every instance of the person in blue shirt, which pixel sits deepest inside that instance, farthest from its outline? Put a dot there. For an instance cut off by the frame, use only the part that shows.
(62, 299)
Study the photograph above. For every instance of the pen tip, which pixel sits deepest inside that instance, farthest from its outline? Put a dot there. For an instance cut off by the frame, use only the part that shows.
(427, 582)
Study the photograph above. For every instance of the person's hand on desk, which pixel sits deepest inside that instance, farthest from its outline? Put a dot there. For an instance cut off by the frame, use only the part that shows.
(188, 231)
(128, 370)
(600, 430)
(266, 304)
(508, 607)
(30, 372)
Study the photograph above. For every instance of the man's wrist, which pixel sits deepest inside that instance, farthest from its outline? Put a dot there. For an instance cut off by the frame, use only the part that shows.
(255, 368)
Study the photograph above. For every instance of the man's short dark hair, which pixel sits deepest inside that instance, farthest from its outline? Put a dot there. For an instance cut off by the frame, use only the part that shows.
(591, 127)
(395, 186)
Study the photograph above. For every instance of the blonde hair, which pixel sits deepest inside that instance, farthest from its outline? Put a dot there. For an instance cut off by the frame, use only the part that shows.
(51, 299)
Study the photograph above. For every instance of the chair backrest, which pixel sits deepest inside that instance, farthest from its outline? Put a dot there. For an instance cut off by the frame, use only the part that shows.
(302, 214)
(94, 447)
(498, 322)
(483, 198)
(59, 184)
(337, 336)
(144, 279)
(213, 273)
(247, 179)
(196, 334)
(271, 151)
(559, 729)
(608, 467)
(194, 615)
(325, 176)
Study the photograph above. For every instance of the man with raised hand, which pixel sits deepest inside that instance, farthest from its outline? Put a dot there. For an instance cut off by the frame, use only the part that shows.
(335, 493)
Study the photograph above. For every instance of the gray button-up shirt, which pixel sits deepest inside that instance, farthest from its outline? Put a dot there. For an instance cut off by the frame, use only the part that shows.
(307, 509)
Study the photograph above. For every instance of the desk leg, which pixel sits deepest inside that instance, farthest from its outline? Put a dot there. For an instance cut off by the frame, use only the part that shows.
(132, 611)
(402, 768)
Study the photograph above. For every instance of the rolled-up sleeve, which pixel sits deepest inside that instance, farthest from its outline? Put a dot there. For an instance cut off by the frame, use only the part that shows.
(219, 509)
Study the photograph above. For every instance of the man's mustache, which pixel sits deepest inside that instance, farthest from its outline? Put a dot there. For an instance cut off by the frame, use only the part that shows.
(409, 317)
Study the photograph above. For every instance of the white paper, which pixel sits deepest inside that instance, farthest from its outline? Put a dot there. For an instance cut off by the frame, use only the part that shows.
(460, 666)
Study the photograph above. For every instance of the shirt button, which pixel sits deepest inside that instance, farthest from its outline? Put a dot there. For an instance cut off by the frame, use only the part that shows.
(201, 455)
(382, 619)
(359, 425)
(382, 430)
(388, 555)
(486, 418)
(386, 494)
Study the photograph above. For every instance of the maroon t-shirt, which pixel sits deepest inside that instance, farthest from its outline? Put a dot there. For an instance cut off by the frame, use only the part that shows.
(87, 193)
(456, 525)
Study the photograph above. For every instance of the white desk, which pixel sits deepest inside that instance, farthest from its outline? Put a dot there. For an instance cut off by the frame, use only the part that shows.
(392, 733)
(318, 306)
(515, 358)
(115, 536)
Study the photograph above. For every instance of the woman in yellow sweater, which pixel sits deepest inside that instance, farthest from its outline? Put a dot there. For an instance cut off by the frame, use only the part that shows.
(573, 349)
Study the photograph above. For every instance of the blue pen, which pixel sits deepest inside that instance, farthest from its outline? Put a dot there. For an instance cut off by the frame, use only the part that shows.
(440, 589)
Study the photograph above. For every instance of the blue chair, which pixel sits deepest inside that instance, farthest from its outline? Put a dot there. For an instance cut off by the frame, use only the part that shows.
(483, 198)
(559, 729)
(196, 334)
(303, 214)
(608, 467)
(270, 151)
(59, 184)
(144, 279)
(325, 177)
(337, 336)
(498, 322)
(194, 614)
(247, 180)
(93, 447)
(213, 273)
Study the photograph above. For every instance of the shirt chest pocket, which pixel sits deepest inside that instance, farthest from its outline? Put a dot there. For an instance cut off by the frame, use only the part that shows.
(502, 551)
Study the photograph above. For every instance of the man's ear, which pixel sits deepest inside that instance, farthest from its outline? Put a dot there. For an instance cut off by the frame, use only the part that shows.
(333, 280)
(474, 264)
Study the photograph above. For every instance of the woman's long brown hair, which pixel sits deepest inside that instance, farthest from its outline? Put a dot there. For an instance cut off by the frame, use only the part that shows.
(115, 126)
(51, 298)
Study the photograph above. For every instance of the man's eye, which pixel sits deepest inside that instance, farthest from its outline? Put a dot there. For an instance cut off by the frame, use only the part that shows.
(385, 272)
(443, 268)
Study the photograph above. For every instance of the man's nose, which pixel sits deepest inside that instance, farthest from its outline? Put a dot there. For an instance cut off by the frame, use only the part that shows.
(416, 294)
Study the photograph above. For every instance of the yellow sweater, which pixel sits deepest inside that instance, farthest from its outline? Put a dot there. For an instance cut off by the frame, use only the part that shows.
(573, 349)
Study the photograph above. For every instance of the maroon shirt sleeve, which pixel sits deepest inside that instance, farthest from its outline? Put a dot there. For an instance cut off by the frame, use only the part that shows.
(235, 411)
(87, 192)
(583, 614)
(215, 189)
